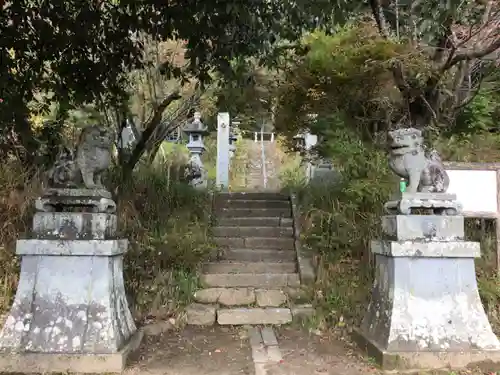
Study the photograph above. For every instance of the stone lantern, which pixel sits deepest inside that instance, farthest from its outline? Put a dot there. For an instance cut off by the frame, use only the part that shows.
(195, 171)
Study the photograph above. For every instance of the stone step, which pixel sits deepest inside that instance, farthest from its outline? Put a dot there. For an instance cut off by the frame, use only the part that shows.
(242, 296)
(242, 315)
(255, 212)
(236, 231)
(207, 314)
(256, 196)
(257, 280)
(281, 243)
(242, 203)
(259, 255)
(255, 221)
(249, 267)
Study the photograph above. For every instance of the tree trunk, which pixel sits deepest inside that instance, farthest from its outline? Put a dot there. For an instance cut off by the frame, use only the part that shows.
(141, 146)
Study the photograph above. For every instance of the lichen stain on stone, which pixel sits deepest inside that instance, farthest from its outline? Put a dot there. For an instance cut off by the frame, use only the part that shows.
(415, 328)
(59, 328)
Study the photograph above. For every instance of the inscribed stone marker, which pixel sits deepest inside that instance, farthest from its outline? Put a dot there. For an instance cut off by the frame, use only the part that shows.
(222, 179)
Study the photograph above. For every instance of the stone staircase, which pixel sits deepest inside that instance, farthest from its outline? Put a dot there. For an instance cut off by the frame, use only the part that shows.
(255, 178)
(254, 278)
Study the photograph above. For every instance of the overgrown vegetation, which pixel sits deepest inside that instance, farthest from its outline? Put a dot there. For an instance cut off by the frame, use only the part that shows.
(339, 222)
(168, 226)
(343, 79)
(166, 222)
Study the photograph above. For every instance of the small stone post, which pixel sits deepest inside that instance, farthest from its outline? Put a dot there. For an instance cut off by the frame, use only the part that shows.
(196, 172)
(305, 142)
(223, 124)
(70, 312)
(309, 142)
(425, 311)
(232, 143)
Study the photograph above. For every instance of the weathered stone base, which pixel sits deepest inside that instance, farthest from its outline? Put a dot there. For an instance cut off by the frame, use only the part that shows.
(66, 303)
(12, 362)
(425, 300)
(425, 311)
(427, 360)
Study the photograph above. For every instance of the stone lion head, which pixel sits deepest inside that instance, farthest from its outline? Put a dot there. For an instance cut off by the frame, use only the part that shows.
(97, 136)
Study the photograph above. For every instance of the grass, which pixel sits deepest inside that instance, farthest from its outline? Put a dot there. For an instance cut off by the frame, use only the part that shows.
(238, 166)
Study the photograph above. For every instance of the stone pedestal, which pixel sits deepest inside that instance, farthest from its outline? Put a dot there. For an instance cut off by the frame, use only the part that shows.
(425, 311)
(70, 311)
(439, 203)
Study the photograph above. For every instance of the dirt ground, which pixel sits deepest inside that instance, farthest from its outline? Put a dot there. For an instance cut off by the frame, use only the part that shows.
(306, 353)
(226, 351)
(194, 351)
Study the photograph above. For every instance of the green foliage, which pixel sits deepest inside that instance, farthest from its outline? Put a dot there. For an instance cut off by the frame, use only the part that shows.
(80, 51)
(210, 156)
(341, 222)
(292, 172)
(167, 224)
(347, 72)
(479, 114)
(427, 20)
(248, 92)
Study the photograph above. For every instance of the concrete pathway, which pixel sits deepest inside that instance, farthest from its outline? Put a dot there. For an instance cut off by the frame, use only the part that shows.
(265, 349)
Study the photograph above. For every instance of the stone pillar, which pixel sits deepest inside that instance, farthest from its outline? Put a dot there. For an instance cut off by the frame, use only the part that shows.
(70, 311)
(222, 178)
(425, 311)
(195, 171)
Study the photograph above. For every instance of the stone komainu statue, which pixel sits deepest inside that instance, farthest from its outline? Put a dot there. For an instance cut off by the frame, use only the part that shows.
(407, 158)
(84, 166)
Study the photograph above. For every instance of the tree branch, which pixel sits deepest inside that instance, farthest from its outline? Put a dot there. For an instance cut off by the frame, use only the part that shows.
(444, 41)
(149, 129)
(379, 17)
(471, 55)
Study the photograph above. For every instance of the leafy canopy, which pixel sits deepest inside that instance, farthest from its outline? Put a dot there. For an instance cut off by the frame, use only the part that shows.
(79, 51)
